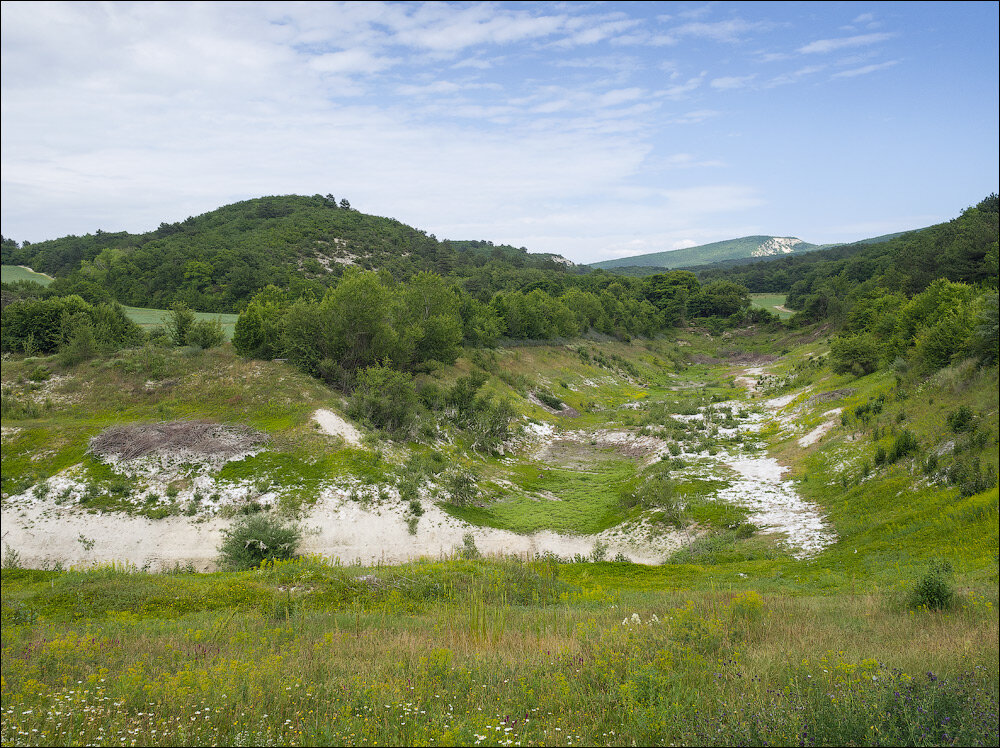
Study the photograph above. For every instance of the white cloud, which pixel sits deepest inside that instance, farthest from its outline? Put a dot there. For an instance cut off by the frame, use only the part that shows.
(694, 117)
(822, 46)
(721, 31)
(351, 61)
(727, 83)
(854, 72)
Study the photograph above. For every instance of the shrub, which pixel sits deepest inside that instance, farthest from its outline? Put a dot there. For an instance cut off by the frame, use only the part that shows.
(905, 443)
(385, 399)
(548, 399)
(461, 486)
(935, 590)
(961, 419)
(855, 354)
(255, 540)
(206, 333)
(179, 323)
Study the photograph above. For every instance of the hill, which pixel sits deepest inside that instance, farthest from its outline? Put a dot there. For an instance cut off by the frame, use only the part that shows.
(218, 260)
(747, 246)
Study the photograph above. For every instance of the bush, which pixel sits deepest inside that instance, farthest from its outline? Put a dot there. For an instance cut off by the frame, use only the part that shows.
(905, 443)
(548, 399)
(179, 323)
(462, 487)
(385, 399)
(206, 333)
(855, 354)
(935, 591)
(961, 419)
(255, 540)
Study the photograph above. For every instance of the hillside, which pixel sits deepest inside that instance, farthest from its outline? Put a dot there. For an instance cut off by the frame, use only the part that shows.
(715, 510)
(218, 260)
(747, 246)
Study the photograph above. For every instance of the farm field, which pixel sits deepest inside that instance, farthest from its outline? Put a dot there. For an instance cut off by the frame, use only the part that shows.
(770, 302)
(14, 273)
(148, 318)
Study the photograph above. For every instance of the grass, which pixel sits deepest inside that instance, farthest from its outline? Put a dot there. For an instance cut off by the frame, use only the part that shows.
(489, 652)
(747, 645)
(770, 301)
(550, 498)
(14, 273)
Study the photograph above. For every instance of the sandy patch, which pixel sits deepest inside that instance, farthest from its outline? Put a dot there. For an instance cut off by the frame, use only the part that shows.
(332, 424)
(44, 533)
(820, 431)
(780, 402)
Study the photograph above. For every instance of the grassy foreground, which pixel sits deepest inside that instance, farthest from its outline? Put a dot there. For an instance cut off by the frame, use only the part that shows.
(495, 652)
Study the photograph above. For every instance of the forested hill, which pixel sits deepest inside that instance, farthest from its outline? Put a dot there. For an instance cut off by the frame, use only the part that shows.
(219, 260)
(963, 250)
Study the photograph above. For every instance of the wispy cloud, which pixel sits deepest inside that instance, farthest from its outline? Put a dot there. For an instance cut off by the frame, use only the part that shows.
(854, 72)
(728, 83)
(823, 46)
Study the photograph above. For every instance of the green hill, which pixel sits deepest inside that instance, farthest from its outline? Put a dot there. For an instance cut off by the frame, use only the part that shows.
(747, 246)
(216, 261)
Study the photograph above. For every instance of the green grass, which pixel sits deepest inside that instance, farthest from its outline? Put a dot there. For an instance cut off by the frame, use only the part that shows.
(551, 498)
(149, 318)
(14, 273)
(749, 645)
(459, 652)
(769, 301)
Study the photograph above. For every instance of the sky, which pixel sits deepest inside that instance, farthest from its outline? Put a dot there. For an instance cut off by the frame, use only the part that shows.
(593, 130)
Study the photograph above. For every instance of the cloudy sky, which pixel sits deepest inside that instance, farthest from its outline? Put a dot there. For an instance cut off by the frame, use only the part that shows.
(596, 130)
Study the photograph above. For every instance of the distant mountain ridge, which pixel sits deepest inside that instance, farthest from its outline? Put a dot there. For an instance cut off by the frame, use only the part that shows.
(704, 254)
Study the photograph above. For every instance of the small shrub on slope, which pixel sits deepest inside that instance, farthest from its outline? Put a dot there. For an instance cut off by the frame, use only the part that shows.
(935, 591)
(256, 540)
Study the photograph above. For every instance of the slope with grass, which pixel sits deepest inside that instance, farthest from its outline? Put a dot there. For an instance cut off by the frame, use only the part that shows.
(524, 622)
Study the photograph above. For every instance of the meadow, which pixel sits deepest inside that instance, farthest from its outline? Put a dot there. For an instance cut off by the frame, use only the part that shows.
(770, 301)
(15, 273)
(482, 652)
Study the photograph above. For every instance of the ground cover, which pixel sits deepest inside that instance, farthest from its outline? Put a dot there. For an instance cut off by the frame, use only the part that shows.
(480, 652)
(735, 639)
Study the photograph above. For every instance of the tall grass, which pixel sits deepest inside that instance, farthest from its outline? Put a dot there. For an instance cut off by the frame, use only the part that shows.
(467, 652)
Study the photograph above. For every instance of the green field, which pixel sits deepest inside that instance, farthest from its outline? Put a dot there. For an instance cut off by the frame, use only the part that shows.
(147, 318)
(769, 301)
(14, 273)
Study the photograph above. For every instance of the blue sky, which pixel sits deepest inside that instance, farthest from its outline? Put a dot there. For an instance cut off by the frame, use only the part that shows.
(596, 130)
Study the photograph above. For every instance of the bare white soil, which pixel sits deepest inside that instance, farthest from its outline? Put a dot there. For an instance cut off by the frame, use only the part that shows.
(820, 431)
(44, 533)
(332, 424)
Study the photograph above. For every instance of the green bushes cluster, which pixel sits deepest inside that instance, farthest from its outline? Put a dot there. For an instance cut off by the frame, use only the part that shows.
(256, 540)
(70, 324)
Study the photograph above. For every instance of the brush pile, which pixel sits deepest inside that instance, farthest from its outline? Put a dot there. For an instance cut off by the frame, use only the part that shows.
(194, 437)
